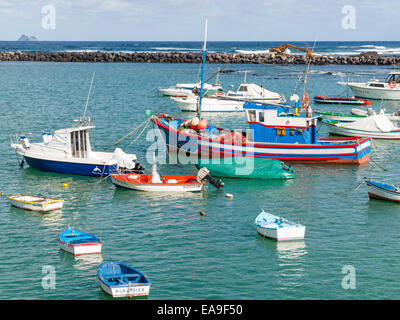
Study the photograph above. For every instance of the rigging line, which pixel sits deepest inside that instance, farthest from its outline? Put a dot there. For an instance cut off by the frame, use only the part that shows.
(87, 100)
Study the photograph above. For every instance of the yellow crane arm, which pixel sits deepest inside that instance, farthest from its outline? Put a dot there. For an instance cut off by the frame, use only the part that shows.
(283, 47)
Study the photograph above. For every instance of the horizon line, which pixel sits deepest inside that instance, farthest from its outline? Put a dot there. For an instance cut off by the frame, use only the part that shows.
(30, 41)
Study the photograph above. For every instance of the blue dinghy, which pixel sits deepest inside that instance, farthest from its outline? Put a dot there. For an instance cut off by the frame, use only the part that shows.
(77, 242)
(383, 191)
(120, 280)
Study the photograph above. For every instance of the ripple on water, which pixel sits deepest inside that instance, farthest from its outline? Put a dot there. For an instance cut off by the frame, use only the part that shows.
(186, 256)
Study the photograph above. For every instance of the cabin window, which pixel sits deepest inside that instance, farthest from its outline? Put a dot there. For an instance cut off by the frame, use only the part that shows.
(242, 88)
(393, 77)
(261, 116)
(79, 144)
(252, 116)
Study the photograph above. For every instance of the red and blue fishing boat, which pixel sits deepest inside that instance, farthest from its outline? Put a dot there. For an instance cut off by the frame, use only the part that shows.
(275, 133)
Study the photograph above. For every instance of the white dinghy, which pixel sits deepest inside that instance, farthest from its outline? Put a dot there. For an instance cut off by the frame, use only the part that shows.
(35, 203)
(280, 229)
(376, 126)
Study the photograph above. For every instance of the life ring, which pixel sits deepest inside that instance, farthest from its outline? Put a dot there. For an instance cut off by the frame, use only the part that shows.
(393, 84)
(305, 100)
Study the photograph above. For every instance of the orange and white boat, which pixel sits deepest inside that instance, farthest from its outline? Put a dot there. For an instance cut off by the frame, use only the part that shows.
(156, 182)
(145, 182)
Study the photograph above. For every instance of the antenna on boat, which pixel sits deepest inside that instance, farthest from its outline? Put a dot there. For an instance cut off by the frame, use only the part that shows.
(87, 100)
(202, 69)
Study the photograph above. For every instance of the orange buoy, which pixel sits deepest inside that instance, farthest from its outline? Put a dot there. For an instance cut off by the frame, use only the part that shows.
(202, 124)
(202, 213)
(305, 100)
(393, 84)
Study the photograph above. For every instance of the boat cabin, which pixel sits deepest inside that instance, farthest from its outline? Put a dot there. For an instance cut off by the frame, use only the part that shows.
(393, 76)
(277, 124)
(73, 141)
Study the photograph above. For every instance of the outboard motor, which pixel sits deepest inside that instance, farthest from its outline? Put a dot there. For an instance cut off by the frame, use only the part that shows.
(138, 168)
(204, 174)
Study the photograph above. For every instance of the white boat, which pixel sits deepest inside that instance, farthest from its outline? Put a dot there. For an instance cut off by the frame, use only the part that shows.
(255, 93)
(376, 126)
(185, 89)
(35, 203)
(230, 102)
(386, 90)
(280, 229)
(392, 116)
(69, 151)
(78, 243)
(209, 104)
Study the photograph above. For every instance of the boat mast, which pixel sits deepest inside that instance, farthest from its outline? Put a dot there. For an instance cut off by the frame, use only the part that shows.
(202, 70)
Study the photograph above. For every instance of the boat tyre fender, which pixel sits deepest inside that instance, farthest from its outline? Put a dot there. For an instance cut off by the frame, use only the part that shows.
(393, 85)
(305, 100)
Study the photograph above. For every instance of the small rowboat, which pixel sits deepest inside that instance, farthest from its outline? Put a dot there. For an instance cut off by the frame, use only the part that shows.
(277, 228)
(35, 203)
(337, 116)
(120, 280)
(383, 191)
(350, 101)
(77, 242)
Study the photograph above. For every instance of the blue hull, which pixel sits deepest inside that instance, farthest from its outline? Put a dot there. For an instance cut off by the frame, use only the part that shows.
(71, 168)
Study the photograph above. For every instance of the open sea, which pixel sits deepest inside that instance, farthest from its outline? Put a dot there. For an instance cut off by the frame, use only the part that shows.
(336, 48)
(188, 256)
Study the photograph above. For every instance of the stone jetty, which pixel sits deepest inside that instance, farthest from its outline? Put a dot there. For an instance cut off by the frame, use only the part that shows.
(366, 58)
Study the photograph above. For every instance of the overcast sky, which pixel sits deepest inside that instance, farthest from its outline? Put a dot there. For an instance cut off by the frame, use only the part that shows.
(183, 20)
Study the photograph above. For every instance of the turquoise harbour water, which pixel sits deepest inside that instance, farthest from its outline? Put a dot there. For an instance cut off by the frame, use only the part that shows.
(185, 255)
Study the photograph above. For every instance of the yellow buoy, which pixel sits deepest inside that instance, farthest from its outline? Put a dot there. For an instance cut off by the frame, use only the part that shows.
(65, 185)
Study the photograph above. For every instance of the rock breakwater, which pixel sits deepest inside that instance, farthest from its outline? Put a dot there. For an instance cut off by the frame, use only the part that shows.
(367, 58)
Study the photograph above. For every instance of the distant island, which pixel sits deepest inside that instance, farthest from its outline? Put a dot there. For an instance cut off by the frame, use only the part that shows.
(26, 38)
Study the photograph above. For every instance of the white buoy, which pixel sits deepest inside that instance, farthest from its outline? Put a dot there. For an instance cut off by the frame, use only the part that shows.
(229, 195)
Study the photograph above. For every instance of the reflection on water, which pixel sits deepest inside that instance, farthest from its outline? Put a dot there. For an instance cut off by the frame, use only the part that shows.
(48, 219)
(292, 246)
(87, 261)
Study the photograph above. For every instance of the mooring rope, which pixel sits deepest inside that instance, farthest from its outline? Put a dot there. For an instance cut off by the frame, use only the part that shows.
(351, 190)
(129, 134)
